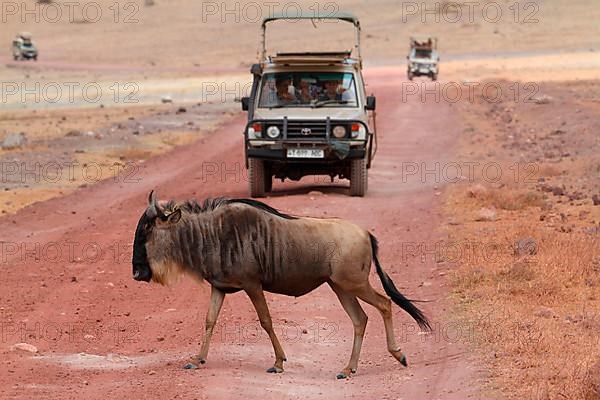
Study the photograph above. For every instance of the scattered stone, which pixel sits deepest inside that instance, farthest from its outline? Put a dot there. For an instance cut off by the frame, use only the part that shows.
(544, 312)
(181, 110)
(525, 247)
(166, 99)
(477, 191)
(152, 372)
(558, 191)
(315, 193)
(73, 133)
(453, 221)
(486, 214)
(14, 141)
(25, 347)
(596, 200)
(544, 99)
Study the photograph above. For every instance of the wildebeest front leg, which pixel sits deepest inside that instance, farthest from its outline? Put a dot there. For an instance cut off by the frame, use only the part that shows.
(216, 301)
(257, 297)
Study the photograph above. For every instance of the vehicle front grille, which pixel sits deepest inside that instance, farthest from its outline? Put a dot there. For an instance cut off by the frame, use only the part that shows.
(306, 129)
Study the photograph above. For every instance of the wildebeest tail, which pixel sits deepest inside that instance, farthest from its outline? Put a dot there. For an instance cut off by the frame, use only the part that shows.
(394, 293)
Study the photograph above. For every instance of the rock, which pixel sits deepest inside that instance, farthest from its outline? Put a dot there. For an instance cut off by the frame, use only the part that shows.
(486, 214)
(166, 99)
(315, 193)
(544, 99)
(477, 191)
(596, 200)
(181, 110)
(73, 133)
(524, 247)
(14, 141)
(152, 372)
(25, 347)
(544, 312)
(558, 191)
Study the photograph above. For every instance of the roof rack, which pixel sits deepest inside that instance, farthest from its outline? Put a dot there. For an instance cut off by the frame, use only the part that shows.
(313, 16)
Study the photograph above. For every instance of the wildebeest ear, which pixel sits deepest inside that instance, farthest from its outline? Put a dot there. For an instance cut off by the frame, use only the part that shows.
(174, 217)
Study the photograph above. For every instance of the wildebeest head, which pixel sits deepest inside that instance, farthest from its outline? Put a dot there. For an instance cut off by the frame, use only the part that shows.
(153, 220)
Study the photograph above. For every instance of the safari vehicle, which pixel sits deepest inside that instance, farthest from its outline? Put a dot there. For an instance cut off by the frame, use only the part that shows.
(423, 58)
(23, 47)
(308, 114)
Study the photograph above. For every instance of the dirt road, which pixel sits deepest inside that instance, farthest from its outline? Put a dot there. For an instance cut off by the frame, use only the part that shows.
(67, 286)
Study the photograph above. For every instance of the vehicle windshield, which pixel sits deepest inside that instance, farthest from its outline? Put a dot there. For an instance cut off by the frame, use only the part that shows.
(308, 89)
(422, 53)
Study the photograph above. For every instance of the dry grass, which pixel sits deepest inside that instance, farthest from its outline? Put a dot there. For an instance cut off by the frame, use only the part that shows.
(535, 317)
(542, 311)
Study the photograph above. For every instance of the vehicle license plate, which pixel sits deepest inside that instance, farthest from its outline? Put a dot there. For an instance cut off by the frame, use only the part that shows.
(305, 153)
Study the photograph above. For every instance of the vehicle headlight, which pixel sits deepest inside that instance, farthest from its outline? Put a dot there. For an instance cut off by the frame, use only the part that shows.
(358, 131)
(339, 131)
(254, 131)
(272, 132)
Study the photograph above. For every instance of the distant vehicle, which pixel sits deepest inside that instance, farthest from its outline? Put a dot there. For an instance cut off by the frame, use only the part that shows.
(308, 114)
(23, 47)
(423, 58)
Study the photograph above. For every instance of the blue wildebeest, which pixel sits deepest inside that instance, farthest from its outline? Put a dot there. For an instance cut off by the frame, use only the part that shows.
(243, 244)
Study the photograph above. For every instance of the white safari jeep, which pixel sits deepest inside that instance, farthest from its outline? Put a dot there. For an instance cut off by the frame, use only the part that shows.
(308, 114)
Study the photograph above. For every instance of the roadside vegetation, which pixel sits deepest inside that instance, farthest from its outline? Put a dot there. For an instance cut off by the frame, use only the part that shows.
(527, 279)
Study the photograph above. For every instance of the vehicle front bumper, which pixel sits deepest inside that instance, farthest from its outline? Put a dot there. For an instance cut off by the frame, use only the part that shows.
(279, 152)
(418, 69)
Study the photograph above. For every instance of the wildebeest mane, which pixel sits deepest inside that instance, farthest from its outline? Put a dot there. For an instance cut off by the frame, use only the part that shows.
(210, 204)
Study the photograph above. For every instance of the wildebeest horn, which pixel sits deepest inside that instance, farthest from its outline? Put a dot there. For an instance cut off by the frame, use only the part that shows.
(154, 209)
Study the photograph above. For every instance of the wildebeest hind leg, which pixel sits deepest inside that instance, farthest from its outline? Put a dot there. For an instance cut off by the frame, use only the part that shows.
(359, 320)
(384, 305)
(216, 301)
(257, 297)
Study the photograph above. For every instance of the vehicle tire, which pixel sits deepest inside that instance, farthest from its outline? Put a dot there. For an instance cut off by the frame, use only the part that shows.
(34, 58)
(16, 58)
(434, 77)
(256, 177)
(359, 177)
(410, 76)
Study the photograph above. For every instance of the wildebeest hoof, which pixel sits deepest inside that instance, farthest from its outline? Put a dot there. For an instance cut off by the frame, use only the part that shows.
(190, 366)
(345, 373)
(275, 370)
(403, 360)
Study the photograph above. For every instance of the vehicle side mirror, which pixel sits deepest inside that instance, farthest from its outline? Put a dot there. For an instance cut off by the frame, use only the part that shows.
(245, 103)
(370, 103)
